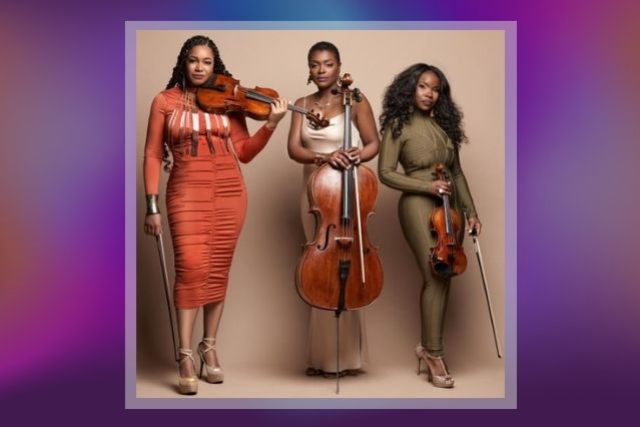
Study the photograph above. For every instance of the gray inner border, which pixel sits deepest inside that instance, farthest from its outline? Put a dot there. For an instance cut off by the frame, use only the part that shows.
(510, 399)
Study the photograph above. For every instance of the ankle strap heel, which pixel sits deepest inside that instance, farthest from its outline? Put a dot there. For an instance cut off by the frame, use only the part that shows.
(215, 374)
(187, 385)
(434, 364)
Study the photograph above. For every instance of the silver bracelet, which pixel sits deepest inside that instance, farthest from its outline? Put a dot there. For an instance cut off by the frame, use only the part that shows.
(152, 204)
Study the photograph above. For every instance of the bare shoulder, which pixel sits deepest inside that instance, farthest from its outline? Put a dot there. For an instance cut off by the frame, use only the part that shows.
(300, 102)
(363, 106)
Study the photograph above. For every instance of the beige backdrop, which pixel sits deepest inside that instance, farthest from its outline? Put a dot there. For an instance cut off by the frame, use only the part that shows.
(264, 327)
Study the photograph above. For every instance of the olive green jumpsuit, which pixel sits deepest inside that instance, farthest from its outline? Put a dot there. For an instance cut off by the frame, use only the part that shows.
(421, 145)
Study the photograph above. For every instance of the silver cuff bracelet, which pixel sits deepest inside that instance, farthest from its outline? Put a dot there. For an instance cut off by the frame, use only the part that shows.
(152, 204)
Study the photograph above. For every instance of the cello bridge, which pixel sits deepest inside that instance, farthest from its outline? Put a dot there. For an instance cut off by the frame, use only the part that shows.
(344, 242)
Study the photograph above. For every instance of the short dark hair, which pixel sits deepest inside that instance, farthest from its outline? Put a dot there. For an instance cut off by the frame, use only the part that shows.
(324, 46)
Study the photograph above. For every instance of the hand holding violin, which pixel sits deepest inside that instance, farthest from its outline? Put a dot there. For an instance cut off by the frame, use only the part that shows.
(278, 110)
(441, 187)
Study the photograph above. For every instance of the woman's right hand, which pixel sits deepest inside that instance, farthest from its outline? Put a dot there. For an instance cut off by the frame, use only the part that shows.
(339, 159)
(441, 187)
(153, 225)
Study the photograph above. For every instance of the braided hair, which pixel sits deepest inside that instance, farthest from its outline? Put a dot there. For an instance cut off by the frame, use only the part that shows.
(178, 77)
(399, 100)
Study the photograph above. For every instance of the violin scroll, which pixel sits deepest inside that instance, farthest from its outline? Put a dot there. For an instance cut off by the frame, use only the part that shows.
(316, 120)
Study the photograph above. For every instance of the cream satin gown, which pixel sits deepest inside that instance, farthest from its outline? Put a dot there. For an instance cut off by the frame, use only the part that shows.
(322, 325)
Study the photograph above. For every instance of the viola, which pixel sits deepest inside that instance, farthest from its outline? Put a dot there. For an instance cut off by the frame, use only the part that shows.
(222, 94)
(447, 258)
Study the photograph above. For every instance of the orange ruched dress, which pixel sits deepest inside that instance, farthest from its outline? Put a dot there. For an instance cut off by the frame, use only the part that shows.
(206, 195)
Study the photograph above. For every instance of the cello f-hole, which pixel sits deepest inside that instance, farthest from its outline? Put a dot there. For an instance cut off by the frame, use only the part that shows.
(326, 237)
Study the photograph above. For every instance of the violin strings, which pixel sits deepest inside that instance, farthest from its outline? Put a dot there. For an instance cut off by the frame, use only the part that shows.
(257, 95)
(269, 100)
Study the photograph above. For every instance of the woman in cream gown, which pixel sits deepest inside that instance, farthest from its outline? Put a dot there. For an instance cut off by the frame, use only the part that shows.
(314, 147)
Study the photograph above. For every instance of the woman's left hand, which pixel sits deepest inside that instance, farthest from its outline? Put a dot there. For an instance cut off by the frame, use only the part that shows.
(278, 110)
(354, 155)
(475, 225)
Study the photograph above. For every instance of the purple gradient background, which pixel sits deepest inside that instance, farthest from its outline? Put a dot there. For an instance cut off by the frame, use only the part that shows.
(62, 216)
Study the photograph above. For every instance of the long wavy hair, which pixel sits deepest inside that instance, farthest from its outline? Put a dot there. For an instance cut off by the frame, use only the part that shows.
(399, 103)
(178, 76)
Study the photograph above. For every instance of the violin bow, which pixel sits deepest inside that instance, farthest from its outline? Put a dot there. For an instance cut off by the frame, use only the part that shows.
(165, 279)
(483, 273)
(359, 218)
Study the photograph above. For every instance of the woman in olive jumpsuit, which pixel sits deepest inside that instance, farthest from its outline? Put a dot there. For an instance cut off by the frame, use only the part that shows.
(421, 127)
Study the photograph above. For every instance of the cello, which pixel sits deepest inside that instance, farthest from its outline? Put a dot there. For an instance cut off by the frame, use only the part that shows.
(340, 269)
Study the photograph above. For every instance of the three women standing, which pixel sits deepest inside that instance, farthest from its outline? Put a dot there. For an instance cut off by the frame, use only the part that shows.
(206, 196)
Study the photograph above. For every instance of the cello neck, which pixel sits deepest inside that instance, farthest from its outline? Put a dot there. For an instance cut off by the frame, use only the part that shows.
(347, 174)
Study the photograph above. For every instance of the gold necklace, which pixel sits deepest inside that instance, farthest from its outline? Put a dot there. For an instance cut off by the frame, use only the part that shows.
(321, 105)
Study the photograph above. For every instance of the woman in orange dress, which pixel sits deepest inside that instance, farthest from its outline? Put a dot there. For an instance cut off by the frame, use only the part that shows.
(206, 196)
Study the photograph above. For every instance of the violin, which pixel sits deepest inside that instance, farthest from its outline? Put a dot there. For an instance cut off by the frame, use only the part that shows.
(447, 258)
(222, 94)
(340, 269)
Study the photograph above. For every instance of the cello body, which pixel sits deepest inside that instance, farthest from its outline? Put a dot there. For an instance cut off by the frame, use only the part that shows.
(334, 249)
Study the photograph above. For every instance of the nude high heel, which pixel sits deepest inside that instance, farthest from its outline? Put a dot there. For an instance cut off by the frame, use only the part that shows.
(215, 375)
(442, 381)
(188, 385)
